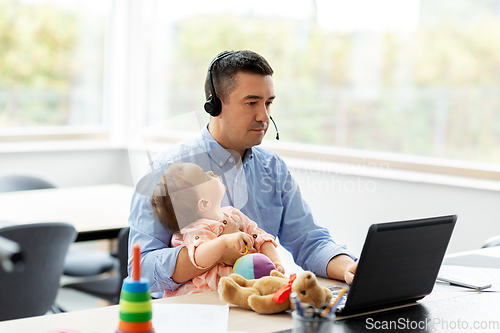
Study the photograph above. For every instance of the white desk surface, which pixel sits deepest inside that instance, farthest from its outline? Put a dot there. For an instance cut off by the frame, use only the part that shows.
(105, 319)
(88, 208)
(487, 257)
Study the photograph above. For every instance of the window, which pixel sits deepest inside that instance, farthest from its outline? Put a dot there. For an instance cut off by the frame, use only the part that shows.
(52, 64)
(408, 77)
(418, 78)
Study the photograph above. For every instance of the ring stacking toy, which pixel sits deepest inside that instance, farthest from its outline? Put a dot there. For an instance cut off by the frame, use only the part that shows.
(136, 312)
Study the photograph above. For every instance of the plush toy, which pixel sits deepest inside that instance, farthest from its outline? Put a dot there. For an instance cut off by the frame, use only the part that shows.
(253, 266)
(270, 294)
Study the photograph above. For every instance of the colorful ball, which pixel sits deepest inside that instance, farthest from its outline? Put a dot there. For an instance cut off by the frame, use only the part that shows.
(253, 266)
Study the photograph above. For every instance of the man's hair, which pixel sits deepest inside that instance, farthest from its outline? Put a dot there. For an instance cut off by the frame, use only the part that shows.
(225, 70)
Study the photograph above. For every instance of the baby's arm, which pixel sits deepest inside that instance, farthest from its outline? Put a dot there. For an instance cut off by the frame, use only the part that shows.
(266, 241)
(269, 250)
(208, 253)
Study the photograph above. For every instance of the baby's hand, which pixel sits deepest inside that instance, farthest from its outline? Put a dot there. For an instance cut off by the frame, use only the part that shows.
(279, 267)
(231, 228)
(239, 240)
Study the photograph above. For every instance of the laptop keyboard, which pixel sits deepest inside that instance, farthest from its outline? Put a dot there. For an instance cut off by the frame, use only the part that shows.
(335, 291)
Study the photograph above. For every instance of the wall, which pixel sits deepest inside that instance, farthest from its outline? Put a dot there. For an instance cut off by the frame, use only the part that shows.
(76, 167)
(345, 203)
(348, 204)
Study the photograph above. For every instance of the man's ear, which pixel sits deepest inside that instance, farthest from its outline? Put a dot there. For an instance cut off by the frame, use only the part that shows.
(204, 205)
(222, 108)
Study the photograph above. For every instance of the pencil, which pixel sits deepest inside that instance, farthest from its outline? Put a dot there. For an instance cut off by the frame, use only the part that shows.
(339, 298)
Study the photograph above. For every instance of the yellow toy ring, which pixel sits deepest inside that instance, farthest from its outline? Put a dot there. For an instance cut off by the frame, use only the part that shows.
(246, 250)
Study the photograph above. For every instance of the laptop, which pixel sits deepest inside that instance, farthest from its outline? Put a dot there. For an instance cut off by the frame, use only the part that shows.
(399, 264)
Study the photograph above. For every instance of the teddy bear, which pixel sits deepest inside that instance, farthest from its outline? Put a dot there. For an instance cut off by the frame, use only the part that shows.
(271, 294)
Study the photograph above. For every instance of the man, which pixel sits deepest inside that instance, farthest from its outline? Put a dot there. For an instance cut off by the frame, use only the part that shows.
(257, 180)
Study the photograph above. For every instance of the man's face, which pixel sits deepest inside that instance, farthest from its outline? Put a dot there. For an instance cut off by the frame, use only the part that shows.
(244, 118)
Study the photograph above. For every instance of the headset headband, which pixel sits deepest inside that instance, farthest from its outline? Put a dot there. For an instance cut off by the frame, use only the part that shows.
(213, 105)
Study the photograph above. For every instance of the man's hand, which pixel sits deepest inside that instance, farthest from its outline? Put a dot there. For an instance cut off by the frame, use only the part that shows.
(349, 273)
(229, 257)
(341, 267)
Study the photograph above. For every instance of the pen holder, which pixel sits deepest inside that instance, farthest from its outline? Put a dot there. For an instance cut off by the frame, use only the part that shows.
(303, 324)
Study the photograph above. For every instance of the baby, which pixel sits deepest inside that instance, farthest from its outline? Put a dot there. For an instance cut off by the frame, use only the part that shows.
(187, 201)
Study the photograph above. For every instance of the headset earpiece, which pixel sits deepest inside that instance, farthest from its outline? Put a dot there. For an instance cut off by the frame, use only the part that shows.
(209, 106)
(213, 105)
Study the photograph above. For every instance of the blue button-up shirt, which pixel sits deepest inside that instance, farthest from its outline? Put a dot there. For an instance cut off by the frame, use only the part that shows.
(261, 187)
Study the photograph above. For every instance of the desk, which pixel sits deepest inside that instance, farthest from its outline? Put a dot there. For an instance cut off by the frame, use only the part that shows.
(96, 212)
(467, 307)
(457, 314)
(105, 320)
(487, 257)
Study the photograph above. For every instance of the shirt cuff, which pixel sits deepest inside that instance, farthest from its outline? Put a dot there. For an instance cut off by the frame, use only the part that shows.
(319, 265)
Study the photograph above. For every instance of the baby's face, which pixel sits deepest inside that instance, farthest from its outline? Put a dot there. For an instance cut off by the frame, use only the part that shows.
(214, 186)
(194, 174)
(211, 185)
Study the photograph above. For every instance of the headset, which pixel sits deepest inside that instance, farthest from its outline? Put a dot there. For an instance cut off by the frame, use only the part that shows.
(213, 105)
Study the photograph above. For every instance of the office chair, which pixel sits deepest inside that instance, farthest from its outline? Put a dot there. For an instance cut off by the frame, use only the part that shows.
(78, 263)
(19, 182)
(108, 288)
(31, 290)
(493, 241)
(85, 263)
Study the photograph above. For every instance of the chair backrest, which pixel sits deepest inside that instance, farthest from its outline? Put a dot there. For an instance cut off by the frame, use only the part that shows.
(11, 183)
(123, 262)
(491, 242)
(123, 252)
(32, 290)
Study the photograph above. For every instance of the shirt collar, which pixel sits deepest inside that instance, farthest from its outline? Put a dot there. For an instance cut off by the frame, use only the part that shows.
(248, 156)
(217, 153)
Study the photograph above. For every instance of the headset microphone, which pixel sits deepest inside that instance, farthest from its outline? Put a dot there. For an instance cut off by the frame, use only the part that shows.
(276, 127)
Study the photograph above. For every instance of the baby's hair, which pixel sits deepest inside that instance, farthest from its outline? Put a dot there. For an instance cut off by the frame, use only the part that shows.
(162, 206)
(173, 183)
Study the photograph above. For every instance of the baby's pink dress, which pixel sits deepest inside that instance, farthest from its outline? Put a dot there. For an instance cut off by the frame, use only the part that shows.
(204, 230)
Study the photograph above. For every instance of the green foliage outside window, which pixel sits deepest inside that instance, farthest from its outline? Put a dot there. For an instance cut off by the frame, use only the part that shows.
(40, 63)
(436, 91)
